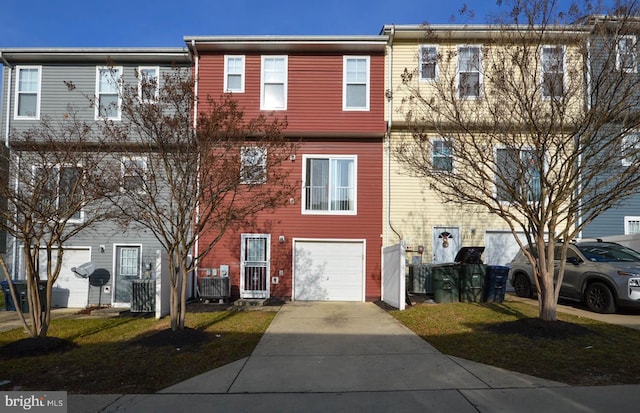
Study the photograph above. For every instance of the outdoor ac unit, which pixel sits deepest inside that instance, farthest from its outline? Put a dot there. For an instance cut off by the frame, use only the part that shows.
(143, 296)
(214, 287)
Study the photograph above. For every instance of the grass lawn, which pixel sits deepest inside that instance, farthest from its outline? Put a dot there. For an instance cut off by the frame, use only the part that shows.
(574, 350)
(124, 355)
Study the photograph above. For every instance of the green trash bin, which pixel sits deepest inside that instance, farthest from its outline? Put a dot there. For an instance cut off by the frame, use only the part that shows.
(21, 294)
(472, 281)
(445, 283)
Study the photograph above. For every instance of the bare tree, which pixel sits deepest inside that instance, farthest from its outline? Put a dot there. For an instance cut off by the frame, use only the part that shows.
(536, 121)
(188, 182)
(56, 189)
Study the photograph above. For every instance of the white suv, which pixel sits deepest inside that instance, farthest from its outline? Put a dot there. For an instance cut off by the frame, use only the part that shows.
(604, 275)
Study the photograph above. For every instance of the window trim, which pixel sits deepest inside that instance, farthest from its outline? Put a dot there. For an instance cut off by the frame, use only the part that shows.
(157, 88)
(16, 116)
(479, 71)
(227, 73)
(284, 83)
(119, 91)
(123, 171)
(634, 55)
(329, 157)
(421, 61)
(56, 167)
(543, 71)
(345, 84)
(244, 180)
(450, 156)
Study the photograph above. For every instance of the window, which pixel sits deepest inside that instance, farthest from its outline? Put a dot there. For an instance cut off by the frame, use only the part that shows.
(128, 261)
(61, 191)
(329, 184)
(148, 83)
(631, 225)
(626, 54)
(108, 92)
(28, 92)
(630, 149)
(442, 155)
(356, 83)
(552, 71)
(234, 74)
(518, 175)
(273, 94)
(428, 62)
(469, 78)
(253, 169)
(134, 173)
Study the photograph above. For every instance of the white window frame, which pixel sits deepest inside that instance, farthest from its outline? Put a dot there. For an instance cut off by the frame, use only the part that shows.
(346, 83)
(627, 224)
(444, 141)
(520, 151)
(543, 71)
(421, 61)
(118, 82)
(630, 140)
(634, 56)
(126, 173)
(19, 92)
(56, 167)
(329, 211)
(157, 85)
(283, 81)
(228, 72)
(246, 161)
(478, 70)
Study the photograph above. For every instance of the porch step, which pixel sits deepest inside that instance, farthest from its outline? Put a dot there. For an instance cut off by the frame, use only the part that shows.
(250, 302)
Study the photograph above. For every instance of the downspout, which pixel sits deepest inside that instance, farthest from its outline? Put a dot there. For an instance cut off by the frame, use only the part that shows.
(195, 125)
(8, 116)
(389, 95)
(589, 104)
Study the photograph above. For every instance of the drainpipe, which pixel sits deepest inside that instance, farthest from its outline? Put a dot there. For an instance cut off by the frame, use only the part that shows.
(195, 124)
(8, 106)
(389, 95)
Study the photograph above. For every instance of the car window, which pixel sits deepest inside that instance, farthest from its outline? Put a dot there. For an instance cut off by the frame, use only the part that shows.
(609, 253)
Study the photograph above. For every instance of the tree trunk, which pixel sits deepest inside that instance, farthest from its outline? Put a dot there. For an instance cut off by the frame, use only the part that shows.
(547, 298)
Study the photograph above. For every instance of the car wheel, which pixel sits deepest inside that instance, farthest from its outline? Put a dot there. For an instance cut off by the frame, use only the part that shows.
(522, 285)
(599, 298)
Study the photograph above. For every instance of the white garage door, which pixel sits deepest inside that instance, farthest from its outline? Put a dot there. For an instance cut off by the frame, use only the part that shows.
(328, 271)
(70, 290)
(500, 247)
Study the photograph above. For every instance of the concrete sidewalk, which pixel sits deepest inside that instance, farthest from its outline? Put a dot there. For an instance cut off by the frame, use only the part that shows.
(319, 357)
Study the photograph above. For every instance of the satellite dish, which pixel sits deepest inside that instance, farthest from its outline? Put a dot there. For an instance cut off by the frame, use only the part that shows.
(84, 270)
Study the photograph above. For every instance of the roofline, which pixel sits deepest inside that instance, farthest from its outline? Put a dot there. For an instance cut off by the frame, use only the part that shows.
(479, 31)
(288, 43)
(96, 55)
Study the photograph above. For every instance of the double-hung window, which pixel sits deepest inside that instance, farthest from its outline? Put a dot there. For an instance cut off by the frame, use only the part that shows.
(108, 81)
(273, 94)
(355, 93)
(60, 189)
(134, 173)
(552, 71)
(148, 83)
(234, 74)
(253, 169)
(631, 149)
(428, 62)
(28, 79)
(518, 175)
(631, 225)
(469, 72)
(442, 155)
(626, 60)
(329, 184)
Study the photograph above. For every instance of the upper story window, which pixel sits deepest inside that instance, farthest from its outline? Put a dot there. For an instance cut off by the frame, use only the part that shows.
(428, 62)
(148, 83)
(518, 175)
(108, 92)
(552, 71)
(253, 167)
(60, 191)
(273, 82)
(234, 74)
(626, 60)
(329, 184)
(28, 79)
(442, 155)
(469, 71)
(631, 225)
(355, 93)
(134, 173)
(630, 149)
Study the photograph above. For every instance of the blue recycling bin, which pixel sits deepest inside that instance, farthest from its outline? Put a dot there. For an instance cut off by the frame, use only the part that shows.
(8, 300)
(495, 283)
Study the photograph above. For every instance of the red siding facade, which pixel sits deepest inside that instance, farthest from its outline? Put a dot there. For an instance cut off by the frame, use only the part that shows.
(316, 117)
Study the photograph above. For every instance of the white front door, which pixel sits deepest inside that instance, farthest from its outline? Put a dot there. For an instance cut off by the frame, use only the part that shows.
(255, 266)
(446, 244)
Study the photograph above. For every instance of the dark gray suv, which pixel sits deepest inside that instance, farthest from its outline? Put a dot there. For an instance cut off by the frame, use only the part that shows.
(603, 275)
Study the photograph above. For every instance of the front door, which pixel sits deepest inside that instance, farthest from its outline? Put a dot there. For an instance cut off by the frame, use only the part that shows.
(127, 269)
(446, 244)
(254, 267)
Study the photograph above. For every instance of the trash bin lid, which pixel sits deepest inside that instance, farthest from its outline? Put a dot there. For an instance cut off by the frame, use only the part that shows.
(470, 255)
